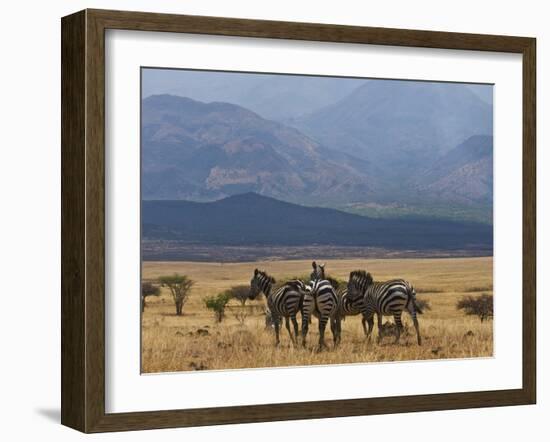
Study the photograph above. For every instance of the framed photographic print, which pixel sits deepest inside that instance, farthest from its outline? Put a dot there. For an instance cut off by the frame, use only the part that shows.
(268, 220)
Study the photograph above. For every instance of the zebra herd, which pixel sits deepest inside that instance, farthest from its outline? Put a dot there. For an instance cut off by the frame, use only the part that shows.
(323, 298)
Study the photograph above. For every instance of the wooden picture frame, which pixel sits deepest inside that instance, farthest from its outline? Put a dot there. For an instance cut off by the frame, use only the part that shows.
(83, 220)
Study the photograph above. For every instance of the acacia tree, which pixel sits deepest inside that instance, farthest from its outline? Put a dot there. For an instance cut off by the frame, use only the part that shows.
(480, 306)
(148, 289)
(180, 287)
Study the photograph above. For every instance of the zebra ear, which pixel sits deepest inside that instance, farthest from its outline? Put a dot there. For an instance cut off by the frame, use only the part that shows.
(273, 280)
(314, 264)
(369, 278)
(255, 272)
(322, 266)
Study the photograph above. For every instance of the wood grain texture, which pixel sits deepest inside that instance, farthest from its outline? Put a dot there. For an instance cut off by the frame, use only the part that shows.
(73, 254)
(529, 221)
(83, 219)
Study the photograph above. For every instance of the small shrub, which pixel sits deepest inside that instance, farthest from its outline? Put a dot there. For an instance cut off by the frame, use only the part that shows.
(480, 306)
(217, 304)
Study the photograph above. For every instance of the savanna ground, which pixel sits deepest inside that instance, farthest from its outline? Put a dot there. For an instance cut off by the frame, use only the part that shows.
(195, 341)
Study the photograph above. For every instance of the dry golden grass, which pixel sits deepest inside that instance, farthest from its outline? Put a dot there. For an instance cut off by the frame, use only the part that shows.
(172, 343)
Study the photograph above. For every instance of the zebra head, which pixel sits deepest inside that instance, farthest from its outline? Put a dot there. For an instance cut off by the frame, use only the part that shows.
(359, 281)
(318, 272)
(260, 282)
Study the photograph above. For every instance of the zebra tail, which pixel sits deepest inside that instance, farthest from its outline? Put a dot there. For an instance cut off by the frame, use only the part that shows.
(412, 299)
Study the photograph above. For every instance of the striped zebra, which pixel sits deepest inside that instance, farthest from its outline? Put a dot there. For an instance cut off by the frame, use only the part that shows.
(320, 300)
(283, 302)
(388, 298)
(346, 305)
(318, 271)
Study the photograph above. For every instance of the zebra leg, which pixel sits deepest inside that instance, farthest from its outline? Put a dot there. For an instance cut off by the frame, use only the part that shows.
(307, 310)
(322, 325)
(370, 322)
(364, 324)
(277, 324)
(398, 326)
(339, 327)
(417, 327)
(412, 312)
(295, 324)
(305, 327)
(334, 330)
(287, 325)
(379, 320)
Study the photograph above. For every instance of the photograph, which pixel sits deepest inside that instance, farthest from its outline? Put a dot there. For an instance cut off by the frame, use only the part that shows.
(299, 220)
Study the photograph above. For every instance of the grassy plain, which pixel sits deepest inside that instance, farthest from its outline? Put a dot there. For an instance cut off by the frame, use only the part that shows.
(195, 342)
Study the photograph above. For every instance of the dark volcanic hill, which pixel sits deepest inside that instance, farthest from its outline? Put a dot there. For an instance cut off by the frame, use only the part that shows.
(251, 219)
(400, 125)
(206, 151)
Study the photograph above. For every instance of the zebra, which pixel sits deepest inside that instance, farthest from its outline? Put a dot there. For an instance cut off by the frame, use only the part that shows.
(321, 301)
(346, 305)
(285, 301)
(318, 271)
(384, 298)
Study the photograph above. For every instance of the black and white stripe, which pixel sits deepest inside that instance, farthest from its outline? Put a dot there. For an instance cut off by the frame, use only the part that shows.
(320, 300)
(283, 302)
(318, 272)
(387, 298)
(346, 305)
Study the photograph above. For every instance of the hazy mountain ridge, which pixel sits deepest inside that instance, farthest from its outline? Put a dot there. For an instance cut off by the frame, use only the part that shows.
(273, 96)
(194, 150)
(401, 124)
(464, 174)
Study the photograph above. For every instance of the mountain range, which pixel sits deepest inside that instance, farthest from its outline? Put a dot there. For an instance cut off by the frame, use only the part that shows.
(273, 96)
(252, 219)
(400, 125)
(205, 151)
(464, 174)
(385, 143)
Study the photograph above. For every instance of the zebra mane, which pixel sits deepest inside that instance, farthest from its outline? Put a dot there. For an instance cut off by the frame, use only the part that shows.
(264, 275)
(362, 275)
